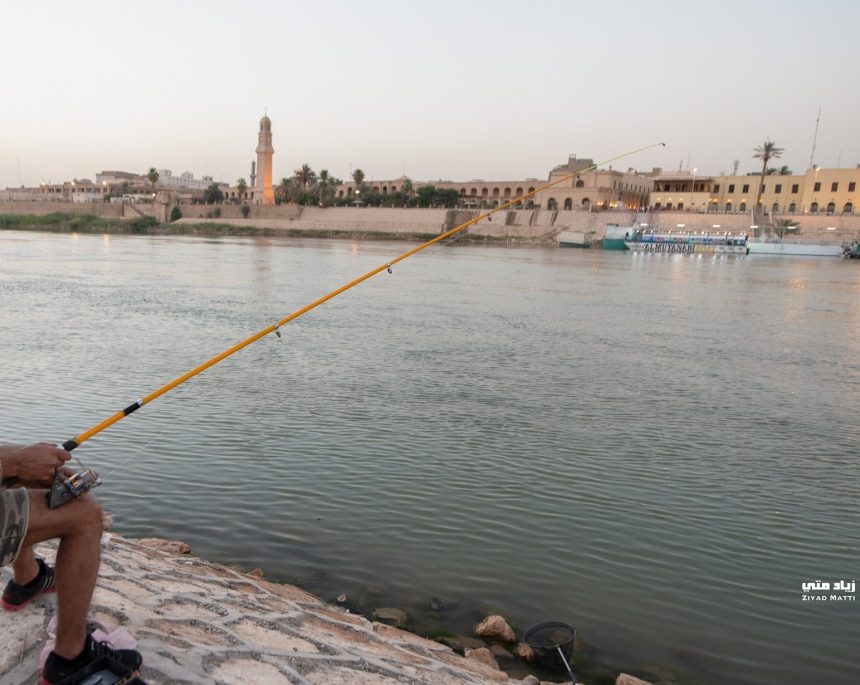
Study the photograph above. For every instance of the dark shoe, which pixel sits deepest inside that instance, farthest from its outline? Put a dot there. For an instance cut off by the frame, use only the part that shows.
(16, 597)
(95, 657)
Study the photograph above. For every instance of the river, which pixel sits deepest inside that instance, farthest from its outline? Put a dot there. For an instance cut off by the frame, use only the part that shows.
(657, 449)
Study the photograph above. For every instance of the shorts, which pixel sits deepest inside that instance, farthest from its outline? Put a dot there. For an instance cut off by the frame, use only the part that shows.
(14, 517)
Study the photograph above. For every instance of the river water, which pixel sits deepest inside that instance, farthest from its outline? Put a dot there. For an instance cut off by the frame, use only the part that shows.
(657, 449)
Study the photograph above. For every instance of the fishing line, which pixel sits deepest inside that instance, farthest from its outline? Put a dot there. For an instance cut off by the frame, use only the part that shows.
(275, 327)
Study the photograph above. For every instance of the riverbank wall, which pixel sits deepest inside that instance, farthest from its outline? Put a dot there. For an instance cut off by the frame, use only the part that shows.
(537, 226)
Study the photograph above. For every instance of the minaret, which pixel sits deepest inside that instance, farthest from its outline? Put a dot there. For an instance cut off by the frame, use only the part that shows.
(264, 161)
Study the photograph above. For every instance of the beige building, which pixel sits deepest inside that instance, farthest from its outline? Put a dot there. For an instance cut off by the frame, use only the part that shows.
(818, 191)
(588, 190)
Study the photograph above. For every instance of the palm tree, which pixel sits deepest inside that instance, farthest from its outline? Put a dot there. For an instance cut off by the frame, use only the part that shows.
(305, 176)
(358, 177)
(787, 225)
(152, 177)
(241, 186)
(406, 186)
(286, 189)
(325, 186)
(765, 153)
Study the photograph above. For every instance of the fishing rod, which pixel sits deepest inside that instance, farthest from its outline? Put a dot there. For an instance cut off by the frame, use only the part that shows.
(63, 491)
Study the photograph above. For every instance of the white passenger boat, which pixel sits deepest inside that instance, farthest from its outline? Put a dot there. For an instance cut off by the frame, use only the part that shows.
(807, 249)
(688, 242)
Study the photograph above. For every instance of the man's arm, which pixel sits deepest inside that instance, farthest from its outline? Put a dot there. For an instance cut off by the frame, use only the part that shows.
(32, 463)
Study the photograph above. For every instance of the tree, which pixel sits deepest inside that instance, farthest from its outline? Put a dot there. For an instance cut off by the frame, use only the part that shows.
(406, 187)
(213, 195)
(246, 210)
(175, 213)
(765, 153)
(241, 186)
(152, 177)
(325, 187)
(305, 176)
(285, 190)
(426, 196)
(787, 225)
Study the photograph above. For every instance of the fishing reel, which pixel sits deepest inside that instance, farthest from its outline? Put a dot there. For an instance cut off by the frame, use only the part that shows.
(64, 490)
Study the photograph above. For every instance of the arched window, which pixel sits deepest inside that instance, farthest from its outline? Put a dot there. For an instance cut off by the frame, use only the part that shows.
(530, 204)
(814, 208)
(531, 190)
(507, 192)
(384, 189)
(742, 207)
(580, 183)
(495, 192)
(340, 193)
(586, 203)
(375, 189)
(393, 189)
(568, 203)
(848, 208)
(775, 208)
(668, 205)
(519, 191)
(475, 192)
(831, 207)
(484, 192)
(551, 204)
(792, 208)
(462, 191)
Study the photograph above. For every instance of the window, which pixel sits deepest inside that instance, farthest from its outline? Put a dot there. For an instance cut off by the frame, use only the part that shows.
(817, 187)
(778, 188)
(851, 186)
(794, 189)
(814, 208)
(731, 187)
(717, 188)
(656, 205)
(680, 205)
(665, 187)
(792, 208)
(746, 188)
(742, 207)
(848, 208)
(580, 183)
(728, 206)
(834, 187)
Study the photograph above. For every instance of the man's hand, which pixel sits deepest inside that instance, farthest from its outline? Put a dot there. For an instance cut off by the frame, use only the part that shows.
(33, 464)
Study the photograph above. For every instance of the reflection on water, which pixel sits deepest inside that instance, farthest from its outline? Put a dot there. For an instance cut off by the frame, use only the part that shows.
(658, 449)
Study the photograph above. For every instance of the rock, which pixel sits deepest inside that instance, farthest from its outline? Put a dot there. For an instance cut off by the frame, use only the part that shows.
(495, 626)
(500, 652)
(107, 521)
(436, 604)
(390, 615)
(524, 652)
(461, 643)
(625, 679)
(256, 573)
(531, 680)
(484, 655)
(169, 546)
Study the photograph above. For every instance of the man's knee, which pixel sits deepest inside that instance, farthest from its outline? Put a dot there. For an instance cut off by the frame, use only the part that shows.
(86, 512)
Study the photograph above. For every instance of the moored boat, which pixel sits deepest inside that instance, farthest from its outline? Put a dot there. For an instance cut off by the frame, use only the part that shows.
(779, 247)
(576, 239)
(688, 242)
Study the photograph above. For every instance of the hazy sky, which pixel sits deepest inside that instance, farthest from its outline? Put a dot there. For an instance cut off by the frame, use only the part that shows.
(445, 89)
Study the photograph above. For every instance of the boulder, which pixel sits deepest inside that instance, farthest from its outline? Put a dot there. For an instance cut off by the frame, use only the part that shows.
(531, 680)
(461, 643)
(625, 679)
(390, 616)
(484, 655)
(496, 627)
(169, 546)
(500, 652)
(524, 652)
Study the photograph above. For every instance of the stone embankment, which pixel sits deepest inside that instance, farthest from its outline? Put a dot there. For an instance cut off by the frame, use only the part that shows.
(523, 226)
(200, 622)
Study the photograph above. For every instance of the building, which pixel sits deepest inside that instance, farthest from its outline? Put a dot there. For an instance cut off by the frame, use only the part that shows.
(184, 180)
(587, 188)
(264, 162)
(818, 191)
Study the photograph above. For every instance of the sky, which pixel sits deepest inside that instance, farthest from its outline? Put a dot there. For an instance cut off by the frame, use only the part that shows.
(475, 89)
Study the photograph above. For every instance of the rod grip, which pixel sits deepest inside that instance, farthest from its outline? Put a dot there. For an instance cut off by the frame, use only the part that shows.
(69, 445)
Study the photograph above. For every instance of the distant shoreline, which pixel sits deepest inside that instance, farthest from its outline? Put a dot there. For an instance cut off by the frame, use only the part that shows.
(91, 224)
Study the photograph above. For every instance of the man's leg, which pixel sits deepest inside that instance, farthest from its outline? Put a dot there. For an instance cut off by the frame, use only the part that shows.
(78, 525)
(25, 566)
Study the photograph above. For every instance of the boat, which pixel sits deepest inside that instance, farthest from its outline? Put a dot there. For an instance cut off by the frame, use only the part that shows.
(687, 242)
(853, 252)
(576, 239)
(616, 235)
(779, 247)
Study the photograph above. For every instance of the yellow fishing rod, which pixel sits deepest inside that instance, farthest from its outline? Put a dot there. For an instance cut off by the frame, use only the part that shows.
(65, 490)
